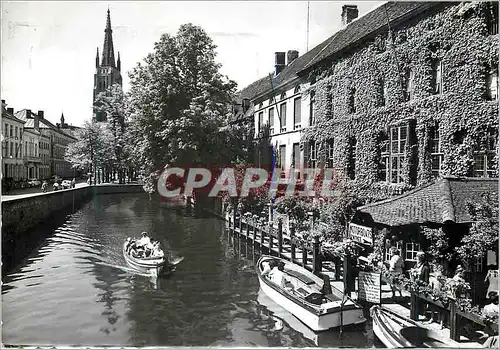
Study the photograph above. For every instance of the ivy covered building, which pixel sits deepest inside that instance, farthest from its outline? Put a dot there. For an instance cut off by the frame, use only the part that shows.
(408, 93)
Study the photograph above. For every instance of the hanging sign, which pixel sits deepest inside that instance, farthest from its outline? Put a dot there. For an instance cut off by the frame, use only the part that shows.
(361, 234)
(369, 287)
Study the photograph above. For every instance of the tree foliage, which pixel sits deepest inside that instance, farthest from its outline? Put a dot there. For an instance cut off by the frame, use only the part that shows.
(483, 234)
(93, 147)
(178, 103)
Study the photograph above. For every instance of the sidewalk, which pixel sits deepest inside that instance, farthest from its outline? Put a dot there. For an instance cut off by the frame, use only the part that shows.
(34, 191)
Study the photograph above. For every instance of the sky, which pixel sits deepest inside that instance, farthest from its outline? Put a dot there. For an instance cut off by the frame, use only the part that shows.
(48, 48)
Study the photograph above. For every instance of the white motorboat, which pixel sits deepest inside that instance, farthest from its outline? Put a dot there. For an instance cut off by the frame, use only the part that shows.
(303, 299)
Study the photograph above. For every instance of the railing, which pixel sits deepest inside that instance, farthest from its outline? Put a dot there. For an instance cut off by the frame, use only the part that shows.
(32, 159)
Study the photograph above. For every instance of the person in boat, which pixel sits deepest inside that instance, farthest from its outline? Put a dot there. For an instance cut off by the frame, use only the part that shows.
(278, 275)
(268, 267)
(396, 269)
(327, 287)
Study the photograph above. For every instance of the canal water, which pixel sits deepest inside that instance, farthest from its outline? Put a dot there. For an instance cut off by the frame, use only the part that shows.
(76, 289)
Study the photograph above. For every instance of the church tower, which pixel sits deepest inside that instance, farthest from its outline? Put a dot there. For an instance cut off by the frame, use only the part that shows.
(107, 72)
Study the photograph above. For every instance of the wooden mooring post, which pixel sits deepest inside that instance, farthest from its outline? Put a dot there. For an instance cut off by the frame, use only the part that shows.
(248, 228)
(292, 242)
(316, 256)
(262, 233)
(280, 237)
(304, 255)
(241, 225)
(270, 242)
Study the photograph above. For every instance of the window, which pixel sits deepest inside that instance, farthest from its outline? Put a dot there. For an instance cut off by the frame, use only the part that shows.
(408, 83)
(484, 153)
(351, 108)
(436, 151)
(282, 157)
(11, 149)
(271, 120)
(436, 81)
(491, 83)
(383, 167)
(5, 130)
(296, 155)
(260, 122)
(389, 247)
(411, 251)
(312, 154)
(296, 113)
(312, 117)
(492, 18)
(478, 264)
(297, 89)
(26, 148)
(382, 90)
(329, 151)
(351, 158)
(398, 143)
(283, 96)
(283, 116)
(15, 132)
(11, 131)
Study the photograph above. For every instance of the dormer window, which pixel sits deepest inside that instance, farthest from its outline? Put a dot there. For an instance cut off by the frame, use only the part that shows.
(297, 89)
(283, 96)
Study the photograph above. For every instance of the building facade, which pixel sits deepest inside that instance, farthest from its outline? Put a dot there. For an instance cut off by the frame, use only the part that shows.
(398, 97)
(54, 141)
(31, 157)
(107, 72)
(12, 145)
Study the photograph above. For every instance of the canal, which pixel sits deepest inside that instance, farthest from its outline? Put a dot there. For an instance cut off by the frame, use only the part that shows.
(75, 288)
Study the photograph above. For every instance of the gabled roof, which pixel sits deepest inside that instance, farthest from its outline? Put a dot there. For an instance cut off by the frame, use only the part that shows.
(289, 73)
(443, 201)
(368, 24)
(42, 124)
(6, 114)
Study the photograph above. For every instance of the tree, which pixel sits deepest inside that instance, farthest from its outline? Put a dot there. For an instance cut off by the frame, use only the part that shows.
(91, 151)
(178, 102)
(112, 103)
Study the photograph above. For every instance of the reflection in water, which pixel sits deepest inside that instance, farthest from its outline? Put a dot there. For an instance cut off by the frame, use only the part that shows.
(77, 289)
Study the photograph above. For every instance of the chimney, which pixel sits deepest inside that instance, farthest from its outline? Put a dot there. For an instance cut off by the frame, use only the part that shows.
(279, 62)
(40, 114)
(36, 120)
(291, 55)
(349, 14)
(245, 103)
(28, 113)
(4, 105)
(10, 110)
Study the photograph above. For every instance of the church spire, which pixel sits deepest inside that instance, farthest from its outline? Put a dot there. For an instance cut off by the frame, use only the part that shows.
(108, 54)
(119, 62)
(97, 59)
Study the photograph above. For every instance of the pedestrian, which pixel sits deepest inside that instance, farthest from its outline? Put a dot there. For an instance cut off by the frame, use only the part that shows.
(396, 269)
(73, 183)
(421, 270)
(492, 279)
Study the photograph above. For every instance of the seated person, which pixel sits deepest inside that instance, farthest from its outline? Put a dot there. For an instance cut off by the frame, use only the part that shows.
(491, 309)
(278, 276)
(144, 240)
(268, 267)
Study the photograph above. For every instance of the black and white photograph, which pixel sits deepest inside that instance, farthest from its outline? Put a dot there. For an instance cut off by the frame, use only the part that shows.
(250, 174)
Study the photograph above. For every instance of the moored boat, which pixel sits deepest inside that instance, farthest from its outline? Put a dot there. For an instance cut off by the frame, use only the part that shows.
(303, 298)
(396, 331)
